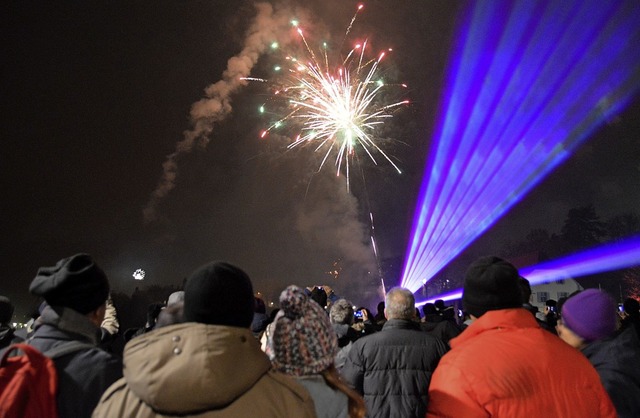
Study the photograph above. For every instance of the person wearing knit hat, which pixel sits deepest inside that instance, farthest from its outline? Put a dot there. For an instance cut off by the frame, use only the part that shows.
(491, 284)
(303, 340)
(304, 346)
(75, 282)
(210, 365)
(392, 368)
(588, 323)
(230, 298)
(587, 316)
(75, 290)
(499, 366)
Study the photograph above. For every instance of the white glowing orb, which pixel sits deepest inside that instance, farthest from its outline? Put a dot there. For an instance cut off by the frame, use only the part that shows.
(139, 274)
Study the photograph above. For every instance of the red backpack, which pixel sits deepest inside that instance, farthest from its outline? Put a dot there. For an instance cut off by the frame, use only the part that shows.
(29, 382)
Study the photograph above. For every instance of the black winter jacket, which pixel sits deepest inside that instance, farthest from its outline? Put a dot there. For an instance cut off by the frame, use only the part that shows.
(617, 361)
(392, 369)
(84, 375)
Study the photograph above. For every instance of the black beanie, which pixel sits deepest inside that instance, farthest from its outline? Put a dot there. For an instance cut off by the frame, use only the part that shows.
(75, 282)
(219, 294)
(490, 284)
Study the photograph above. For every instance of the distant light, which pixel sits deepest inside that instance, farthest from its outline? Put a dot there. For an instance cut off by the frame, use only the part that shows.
(274, 45)
(139, 274)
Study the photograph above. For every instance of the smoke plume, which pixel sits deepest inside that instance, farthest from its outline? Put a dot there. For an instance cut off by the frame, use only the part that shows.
(267, 26)
(330, 223)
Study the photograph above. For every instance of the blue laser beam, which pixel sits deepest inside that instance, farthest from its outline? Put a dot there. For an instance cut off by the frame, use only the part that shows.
(613, 256)
(527, 84)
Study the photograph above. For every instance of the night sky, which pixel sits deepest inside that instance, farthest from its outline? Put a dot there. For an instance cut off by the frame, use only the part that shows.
(95, 95)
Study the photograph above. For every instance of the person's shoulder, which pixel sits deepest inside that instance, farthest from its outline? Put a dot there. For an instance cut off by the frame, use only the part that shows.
(285, 393)
(286, 384)
(96, 354)
(92, 364)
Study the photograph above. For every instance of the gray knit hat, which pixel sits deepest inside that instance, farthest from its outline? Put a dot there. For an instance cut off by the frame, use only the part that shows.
(304, 341)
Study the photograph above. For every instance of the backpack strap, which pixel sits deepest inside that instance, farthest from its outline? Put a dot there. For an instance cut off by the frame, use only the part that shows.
(67, 348)
(14, 349)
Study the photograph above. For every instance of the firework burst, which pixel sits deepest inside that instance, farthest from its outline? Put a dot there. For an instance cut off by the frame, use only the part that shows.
(336, 108)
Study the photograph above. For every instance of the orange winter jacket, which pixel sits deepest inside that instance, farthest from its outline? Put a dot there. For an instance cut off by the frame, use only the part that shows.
(505, 365)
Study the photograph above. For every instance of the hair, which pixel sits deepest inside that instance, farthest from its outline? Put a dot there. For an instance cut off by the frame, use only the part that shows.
(400, 304)
(357, 407)
(341, 312)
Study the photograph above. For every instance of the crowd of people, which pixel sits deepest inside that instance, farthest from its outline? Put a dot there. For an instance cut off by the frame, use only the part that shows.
(213, 350)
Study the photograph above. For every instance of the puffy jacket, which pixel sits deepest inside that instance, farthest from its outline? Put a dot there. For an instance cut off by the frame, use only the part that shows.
(202, 371)
(505, 365)
(82, 375)
(392, 368)
(617, 361)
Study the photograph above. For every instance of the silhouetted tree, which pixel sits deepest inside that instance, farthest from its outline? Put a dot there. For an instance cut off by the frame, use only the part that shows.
(582, 228)
(623, 226)
(538, 241)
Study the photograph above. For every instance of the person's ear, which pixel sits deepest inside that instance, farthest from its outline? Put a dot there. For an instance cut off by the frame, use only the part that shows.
(97, 315)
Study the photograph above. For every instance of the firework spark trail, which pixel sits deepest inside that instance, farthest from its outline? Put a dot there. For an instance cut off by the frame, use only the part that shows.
(339, 108)
(216, 106)
(353, 19)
